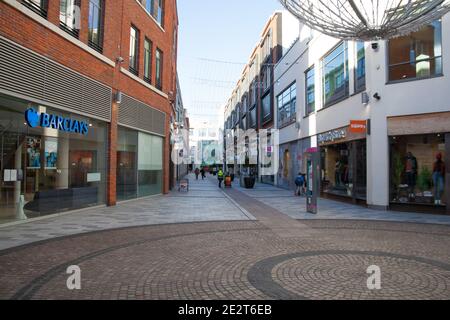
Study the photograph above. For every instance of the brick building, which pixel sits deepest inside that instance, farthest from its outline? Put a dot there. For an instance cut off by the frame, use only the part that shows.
(87, 93)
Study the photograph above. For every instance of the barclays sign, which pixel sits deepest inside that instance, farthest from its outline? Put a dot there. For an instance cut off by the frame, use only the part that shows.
(35, 119)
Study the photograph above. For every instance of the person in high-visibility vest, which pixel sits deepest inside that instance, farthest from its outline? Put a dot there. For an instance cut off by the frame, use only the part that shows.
(220, 178)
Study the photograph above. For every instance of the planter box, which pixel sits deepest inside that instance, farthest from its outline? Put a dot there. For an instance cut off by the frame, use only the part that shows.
(249, 182)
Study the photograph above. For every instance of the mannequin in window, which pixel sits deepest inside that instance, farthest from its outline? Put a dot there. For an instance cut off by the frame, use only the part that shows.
(438, 178)
(411, 173)
(338, 172)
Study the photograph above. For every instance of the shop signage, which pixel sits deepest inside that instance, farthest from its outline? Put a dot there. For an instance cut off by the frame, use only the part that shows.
(332, 136)
(358, 126)
(35, 119)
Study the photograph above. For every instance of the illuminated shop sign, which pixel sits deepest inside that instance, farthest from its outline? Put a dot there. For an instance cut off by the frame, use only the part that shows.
(332, 136)
(35, 119)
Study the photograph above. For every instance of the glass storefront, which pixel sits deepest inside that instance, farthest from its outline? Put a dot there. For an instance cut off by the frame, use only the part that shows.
(344, 170)
(139, 164)
(46, 170)
(417, 171)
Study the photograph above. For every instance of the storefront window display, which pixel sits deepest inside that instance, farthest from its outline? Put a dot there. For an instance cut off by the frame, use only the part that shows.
(139, 164)
(418, 169)
(344, 169)
(46, 167)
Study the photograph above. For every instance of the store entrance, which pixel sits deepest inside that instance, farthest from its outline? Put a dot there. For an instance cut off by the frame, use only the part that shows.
(344, 170)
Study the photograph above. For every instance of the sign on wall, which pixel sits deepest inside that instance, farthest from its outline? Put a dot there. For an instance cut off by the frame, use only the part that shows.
(358, 126)
(35, 119)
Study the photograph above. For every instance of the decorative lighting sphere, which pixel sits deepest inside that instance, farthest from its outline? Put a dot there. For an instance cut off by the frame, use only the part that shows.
(366, 19)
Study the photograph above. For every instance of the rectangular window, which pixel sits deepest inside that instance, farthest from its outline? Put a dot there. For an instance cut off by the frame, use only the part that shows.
(38, 6)
(134, 50)
(360, 70)
(287, 102)
(159, 69)
(266, 108)
(418, 55)
(69, 11)
(335, 74)
(96, 24)
(310, 91)
(156, 10)
(148, 60)
(253, 118)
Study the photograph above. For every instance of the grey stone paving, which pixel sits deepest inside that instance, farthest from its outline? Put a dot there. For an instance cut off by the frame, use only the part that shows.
(204, 202)
(295, 207)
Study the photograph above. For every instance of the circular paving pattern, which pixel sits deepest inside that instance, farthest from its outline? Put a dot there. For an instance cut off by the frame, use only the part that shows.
(234, 260)
(343, 275)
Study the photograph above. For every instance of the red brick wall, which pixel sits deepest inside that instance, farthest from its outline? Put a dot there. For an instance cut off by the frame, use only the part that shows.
(118, 17)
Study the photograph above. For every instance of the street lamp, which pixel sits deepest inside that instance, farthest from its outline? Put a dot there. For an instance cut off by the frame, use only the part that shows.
(366, 20)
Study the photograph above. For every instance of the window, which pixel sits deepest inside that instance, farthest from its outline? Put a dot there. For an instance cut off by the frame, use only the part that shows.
(148, 60)
(418, 55)
(253, 93)
(134, 50)
(96, 24)
(266, 78)
(156, 10)
(286, 102)
(69, 11)
(266, 108)
(335, 74)
(360, 70)
(159, 69)
(253, 118)
(38, 6)
(310, 91)
(245, 104)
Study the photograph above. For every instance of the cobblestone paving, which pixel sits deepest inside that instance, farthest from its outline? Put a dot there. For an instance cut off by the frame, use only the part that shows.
(319, 259)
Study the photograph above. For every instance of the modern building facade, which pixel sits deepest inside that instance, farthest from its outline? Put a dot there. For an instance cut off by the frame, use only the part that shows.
(86, 96)
(251, 105)
(377, 111)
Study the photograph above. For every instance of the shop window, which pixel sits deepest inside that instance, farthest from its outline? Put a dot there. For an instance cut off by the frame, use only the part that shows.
(344, 170)
(418, 169)
(69, 15)
(335, 75)
(310, 91)
(418, 55)
(134, 50)
(38, 6)
(150, 164)
(96, 13)
(360, 70)
(287, 102)
(45, 170)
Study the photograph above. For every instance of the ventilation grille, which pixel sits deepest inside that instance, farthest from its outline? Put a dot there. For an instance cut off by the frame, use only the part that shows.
(139, 115)
(31, 75)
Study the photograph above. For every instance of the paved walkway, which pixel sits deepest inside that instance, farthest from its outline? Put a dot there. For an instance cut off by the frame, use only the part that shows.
(204, 202)
(295, 207)
(262, 254)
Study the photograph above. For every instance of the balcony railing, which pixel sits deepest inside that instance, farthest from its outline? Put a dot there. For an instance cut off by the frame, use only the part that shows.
(39, 9)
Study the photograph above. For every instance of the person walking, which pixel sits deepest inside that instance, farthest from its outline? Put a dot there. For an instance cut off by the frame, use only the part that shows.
(438, 178)
(220, 178)
(300, 183)
(197, 172)
(203, 173)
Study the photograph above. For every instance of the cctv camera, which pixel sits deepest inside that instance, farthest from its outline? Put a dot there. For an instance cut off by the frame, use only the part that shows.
(375, 46)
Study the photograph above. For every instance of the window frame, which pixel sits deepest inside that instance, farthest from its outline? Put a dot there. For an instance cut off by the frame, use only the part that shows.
(72, 31)
(360, 88)
(290, 104)
(101, 18)
(159, 63)
(436, 75)
(41, 9)
(346, 88)
(134, 68)
(148, 59)
(308, 112)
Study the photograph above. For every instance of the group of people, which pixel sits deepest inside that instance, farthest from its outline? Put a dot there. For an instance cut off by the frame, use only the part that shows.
(202, 172)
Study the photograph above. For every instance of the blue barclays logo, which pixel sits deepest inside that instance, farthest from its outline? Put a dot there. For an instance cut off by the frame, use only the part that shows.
(35, 119)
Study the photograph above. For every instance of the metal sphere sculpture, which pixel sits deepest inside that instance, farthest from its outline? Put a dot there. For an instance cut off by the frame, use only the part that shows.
(366, 19)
